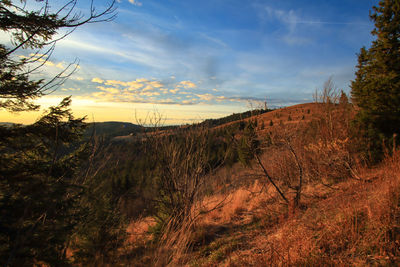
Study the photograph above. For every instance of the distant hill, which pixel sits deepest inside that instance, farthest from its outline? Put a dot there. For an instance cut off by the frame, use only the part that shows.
(111, 129)
(7, 124)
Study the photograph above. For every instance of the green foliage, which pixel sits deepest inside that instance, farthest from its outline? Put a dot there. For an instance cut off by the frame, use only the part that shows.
(376, 89)
(102, 227)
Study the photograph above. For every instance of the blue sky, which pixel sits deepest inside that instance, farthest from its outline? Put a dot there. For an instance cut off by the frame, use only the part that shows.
(193, 60)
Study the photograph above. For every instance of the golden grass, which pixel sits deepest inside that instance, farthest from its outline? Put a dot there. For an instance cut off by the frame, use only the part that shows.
(138, 230)
(357, 225)
(349, 214)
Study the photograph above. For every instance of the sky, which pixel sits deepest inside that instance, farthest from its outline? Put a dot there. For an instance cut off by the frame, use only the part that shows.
(193, 60)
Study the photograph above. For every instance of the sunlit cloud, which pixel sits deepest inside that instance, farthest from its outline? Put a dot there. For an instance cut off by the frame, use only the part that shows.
(149, 93)
(156, 84)
(97, 80)
(70, 89)
(109, 90)
(206, 97)
(187, 84)
(42, 59)
(115, 83)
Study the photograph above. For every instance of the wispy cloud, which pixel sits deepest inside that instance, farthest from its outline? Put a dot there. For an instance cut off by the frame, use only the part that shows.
(135, 2)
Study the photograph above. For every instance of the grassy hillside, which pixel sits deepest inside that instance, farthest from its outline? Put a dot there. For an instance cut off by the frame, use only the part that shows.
(284, 187)
(348, 214)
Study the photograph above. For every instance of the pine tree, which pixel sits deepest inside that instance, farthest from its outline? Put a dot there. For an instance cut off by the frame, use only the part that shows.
(376, 89)
(38, 200)
(39, 188)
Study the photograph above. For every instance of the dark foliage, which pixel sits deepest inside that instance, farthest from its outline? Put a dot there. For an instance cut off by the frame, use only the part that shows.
(376, 89)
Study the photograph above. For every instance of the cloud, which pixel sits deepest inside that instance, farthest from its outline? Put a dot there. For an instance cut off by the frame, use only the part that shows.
(206, 97)
(97, 80)
(70, 89)
(61, 66)
(135, 2)
(144, 90)
(134, 85)
(187, 84)
(156, 84)
(115, 83)
(290, 19)
(149, 93)
(109, 90)
(148, 88)
(187, 102)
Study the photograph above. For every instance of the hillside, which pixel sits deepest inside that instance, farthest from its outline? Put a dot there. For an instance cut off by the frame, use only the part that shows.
(111, 129)
(356, 222)
(349, 216)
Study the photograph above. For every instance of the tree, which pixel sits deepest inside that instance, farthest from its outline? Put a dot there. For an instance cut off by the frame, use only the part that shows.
(40, 192)
(35, 30)
(376, 88)
(38, 195)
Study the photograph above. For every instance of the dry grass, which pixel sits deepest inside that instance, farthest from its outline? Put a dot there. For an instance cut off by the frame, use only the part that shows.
(349, 214)
(357, 225)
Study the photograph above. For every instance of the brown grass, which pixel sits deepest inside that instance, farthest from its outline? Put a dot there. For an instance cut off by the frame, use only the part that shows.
(357, 225)
(349, 215)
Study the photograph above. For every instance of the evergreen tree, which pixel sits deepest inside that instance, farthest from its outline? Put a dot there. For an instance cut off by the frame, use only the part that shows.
(39, 189)
(376, 89)
(38, 192)
(343, 100)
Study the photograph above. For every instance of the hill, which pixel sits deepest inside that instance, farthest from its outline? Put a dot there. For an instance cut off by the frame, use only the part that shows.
(283, 187)
(348, 214)
(111, 129)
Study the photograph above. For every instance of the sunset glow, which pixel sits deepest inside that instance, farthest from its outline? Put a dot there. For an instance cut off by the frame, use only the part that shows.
(194, 60)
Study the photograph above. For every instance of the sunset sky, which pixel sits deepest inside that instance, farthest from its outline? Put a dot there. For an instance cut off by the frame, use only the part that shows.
(193, 60)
